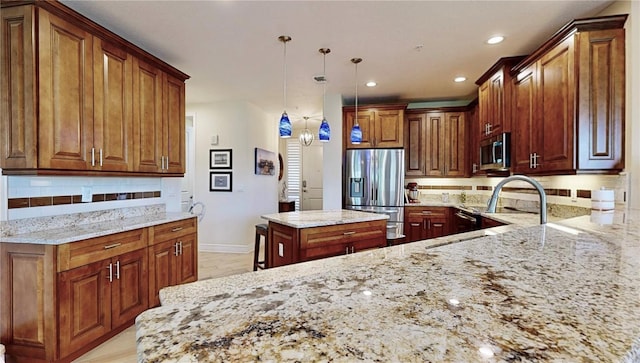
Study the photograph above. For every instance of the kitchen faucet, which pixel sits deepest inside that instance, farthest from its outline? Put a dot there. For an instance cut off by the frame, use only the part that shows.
(491, 205)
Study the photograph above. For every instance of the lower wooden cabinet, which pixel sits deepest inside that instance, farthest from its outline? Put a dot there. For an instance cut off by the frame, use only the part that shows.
(289, 245)
(60, 301)
(426, 222)
(95, 298)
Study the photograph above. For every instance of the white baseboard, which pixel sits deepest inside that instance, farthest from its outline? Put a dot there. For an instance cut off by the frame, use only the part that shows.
(220, 248)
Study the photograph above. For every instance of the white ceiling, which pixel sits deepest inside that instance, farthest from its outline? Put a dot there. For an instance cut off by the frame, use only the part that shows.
(413, 49)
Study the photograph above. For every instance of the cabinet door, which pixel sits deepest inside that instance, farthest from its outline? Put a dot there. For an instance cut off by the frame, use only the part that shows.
(435, 145)
(113, 107)
(18, 129)
(484, 109)
(556, 95)
(66, 90)
(437, 227)
(147, 117)
(366, 120)
(283, 245)
(162, 269)
(84, 305)
(526, 133)
(455, 155)
(388, 128)
(474, 142)
(415, 135)
(174, 125)
(496, 103)
(601, 119)
(413, 229)
(187, 260)
(129, 290)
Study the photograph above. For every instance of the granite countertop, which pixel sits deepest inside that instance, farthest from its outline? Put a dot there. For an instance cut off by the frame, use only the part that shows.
(319, 218)
(82, 231)
(565, 291)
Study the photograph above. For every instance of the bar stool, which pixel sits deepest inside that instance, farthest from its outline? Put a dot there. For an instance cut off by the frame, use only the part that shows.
(261, 230)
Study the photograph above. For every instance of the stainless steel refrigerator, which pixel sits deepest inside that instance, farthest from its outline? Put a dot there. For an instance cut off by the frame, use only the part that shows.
(374, 182)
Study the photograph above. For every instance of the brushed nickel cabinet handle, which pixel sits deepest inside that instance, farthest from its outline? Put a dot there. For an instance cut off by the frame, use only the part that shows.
(348, 233)
(176, 229)
(118, 270)
(114, 245)
(110, 268)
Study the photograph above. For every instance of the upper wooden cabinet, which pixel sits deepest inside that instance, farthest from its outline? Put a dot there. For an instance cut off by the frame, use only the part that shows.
(382, 126)
(436, 144)
(70, 102)
(494, 98)
(569, 101)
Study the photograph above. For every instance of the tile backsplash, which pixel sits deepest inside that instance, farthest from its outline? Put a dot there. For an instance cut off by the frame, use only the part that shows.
(42, 196)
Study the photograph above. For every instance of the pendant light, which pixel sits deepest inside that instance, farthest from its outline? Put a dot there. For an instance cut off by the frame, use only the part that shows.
(324, 133)
(356, 132)
(306, 137)
(285, 124)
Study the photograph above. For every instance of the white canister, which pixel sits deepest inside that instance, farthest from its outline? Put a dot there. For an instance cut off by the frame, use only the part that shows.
(602, 199)
(602, 217)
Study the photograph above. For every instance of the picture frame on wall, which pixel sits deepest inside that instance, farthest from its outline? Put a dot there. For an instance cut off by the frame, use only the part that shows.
(220, 181)
(220, 158)
(265, 162)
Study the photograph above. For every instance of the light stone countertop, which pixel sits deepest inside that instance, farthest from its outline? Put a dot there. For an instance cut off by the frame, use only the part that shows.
(83, 230)
(565, 291)
(319, 218)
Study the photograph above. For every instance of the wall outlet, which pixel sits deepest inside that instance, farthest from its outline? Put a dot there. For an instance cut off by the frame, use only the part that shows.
(87, 196)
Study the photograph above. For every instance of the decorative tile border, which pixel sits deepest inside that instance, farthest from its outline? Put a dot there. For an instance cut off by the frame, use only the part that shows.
(15, 203)
(550, 191)
(445, 187)
(583, 193)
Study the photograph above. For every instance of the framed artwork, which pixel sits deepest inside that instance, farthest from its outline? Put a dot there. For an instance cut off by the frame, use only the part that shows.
(220, 181)
(220, 159)
(265, 162)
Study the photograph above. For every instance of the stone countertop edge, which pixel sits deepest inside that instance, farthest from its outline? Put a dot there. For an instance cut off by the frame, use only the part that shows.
(321, 218)
(546, 273)
(60, 236)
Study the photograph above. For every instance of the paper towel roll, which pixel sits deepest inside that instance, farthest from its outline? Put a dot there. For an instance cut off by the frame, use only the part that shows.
(602, 199)
(602, 217)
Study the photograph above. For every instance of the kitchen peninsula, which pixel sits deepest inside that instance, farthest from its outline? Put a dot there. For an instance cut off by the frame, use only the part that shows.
(309, 235)
(558, 292)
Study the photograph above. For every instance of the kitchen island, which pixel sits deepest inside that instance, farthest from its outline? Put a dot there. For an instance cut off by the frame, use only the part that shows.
(309, 235)
(565, 291)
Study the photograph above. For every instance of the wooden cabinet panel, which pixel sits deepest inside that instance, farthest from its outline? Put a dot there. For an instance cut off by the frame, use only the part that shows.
(173, 256)
(162, 269)
(284, 246)
(320, 242)
(65, 94)
(73, 98)
(84, 299)
(440, 140)
(18, 129)
(569, 98)
(426, 222)
(113, 107)
(415, 137)
(382, 126)
(601, 117)
(129, 296)
(147, 117)
(187, 269)
(174, 125)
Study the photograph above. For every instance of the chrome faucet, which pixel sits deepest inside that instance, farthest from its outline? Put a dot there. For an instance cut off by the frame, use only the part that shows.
(493, 201)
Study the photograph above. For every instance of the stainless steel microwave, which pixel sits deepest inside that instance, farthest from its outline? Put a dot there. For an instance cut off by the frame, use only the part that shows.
(495, 152)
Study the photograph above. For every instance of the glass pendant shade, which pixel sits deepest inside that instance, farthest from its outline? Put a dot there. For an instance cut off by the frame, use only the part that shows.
(306, 137)
(285, 126)
(324, 134)
(356, 134)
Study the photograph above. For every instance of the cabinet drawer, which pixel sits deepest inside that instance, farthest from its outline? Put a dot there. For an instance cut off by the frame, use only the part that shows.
(167, 231)
(341, 234)
(75, 254)
(420, 212)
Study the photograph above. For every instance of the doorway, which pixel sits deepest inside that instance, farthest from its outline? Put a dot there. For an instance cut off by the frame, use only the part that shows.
(186, 188)
(304, 174)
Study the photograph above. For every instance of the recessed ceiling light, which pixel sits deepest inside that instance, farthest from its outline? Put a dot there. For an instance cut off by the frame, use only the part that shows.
(371, 84)
(495, 39)
(460, 79)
